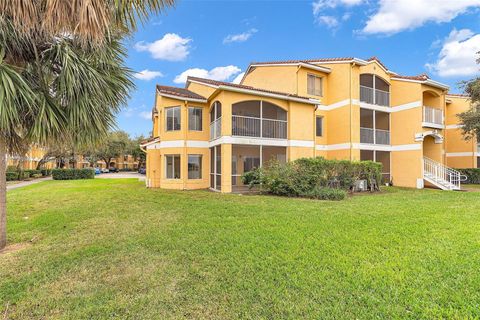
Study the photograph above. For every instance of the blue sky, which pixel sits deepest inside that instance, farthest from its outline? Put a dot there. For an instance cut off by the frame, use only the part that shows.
(218, 39)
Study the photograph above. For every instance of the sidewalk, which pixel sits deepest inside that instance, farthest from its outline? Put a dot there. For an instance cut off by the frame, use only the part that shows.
(26, 183)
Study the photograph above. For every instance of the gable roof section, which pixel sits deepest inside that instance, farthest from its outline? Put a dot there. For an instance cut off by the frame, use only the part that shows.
(180, 94)
(252, 90)
(421, 78)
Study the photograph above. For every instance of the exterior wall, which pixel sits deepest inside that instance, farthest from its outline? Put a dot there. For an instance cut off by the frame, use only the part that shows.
(276, 78)
(460, 153)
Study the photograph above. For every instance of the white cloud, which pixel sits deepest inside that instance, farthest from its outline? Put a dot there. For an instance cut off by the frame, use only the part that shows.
(147, 75)
(171, 47)
(398, 15)
(320, 6)
(242, 37)
(329, 21)
(218, 73)
(457, 56)
(238, 78)
(147, 115)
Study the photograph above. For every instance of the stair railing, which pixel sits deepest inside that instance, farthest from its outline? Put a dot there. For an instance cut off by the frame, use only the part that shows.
(442, 174)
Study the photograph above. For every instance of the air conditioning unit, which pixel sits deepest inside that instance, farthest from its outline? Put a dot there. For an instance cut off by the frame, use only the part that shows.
(360, 185)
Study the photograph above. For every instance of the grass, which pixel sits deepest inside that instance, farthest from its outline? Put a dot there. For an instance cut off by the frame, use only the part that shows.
(106, 249)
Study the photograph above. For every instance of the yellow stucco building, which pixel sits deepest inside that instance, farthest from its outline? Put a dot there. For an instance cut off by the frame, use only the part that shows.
(209, 133)
(31, 160)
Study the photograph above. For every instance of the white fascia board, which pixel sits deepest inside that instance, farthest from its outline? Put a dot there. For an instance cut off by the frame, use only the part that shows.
(171, 96)
(268, 94)
(429, 82)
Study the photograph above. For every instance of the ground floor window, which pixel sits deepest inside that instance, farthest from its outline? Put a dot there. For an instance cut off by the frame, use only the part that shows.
(172, 166)
(194, 166)
(378, 156)
(478, 162)
(216, 168)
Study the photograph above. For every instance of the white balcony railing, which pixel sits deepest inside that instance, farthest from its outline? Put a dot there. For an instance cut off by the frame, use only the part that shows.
(432, 116)
(216, 129)
(374, 136)
(374, 96)
(261, 128)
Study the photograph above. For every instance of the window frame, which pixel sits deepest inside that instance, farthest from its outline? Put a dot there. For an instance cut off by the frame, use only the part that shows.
(200, 157)
(173, 156)
(167, 109)
(315, 93)
(201, 118)
(316, 126)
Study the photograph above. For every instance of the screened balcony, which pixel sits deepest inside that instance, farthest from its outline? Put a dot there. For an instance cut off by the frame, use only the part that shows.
(259, 119)
(216, 121)
(433, 116)
(374, 90)
(374, 127)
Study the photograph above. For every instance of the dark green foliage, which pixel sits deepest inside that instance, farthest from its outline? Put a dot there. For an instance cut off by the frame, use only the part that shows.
(46, 172)
(72, 174)
(309, 177)
(33, 172)
(473, 175)
(326, 194)
(12, 175)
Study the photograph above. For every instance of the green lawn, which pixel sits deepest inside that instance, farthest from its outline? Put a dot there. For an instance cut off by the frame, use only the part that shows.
(113, 249)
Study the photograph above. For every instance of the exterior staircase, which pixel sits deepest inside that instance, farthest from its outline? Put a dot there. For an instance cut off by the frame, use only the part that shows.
(441, 176)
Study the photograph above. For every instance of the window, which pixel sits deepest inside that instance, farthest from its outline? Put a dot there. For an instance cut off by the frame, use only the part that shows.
(172, 166)
(195, 119)
(173, 118)
(319, 126)
(314, 85)
(194, 166)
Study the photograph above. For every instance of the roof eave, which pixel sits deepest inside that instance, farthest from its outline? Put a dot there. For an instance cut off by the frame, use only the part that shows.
(268, 94)
(172, 96)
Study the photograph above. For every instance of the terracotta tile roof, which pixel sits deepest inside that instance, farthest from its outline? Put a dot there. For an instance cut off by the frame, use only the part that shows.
(240, 86)
(378, 61)
(304, 60)
(420, 77)
(460, 95)
(179, 92)
(151, 139)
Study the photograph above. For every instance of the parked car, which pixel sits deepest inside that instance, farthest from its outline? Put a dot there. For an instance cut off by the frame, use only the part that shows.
(142, 171)
(105, 170)
(98, 171)
(113, 169)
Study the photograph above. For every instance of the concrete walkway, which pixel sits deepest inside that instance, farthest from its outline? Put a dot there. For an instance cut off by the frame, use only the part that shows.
(26, 183)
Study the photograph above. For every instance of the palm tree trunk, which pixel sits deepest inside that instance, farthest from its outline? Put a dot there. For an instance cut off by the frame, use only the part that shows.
(3, 193)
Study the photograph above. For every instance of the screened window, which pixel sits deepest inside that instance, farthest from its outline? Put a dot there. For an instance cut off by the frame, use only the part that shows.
(314, 85)
(173, 118)
(319, 126)
(172, 166)
(194, 166)
(195, 119)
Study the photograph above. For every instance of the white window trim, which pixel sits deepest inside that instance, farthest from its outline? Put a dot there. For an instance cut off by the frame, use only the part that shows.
(201, 122)
(173, 124)
(173, 166)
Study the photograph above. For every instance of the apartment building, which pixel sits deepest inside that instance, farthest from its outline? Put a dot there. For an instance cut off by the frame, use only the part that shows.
(31, 160)
(207, 134)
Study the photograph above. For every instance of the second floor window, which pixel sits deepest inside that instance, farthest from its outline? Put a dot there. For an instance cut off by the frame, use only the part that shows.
(195, 119)
(319, 126)
(314, 85)
(173, 118)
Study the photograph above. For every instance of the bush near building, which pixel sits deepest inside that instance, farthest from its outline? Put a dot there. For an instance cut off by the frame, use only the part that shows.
(315, 178)
(73, 174)
(473, 175)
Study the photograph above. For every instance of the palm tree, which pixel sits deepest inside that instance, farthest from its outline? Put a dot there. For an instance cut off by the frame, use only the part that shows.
(62, 71)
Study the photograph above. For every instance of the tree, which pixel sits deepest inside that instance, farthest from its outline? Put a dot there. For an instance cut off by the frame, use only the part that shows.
(137, 153)
(62, 71)
(470, 120)
(116, 144)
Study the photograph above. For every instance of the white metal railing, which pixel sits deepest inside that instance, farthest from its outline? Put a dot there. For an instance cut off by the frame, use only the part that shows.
(374, 136)
(432, 115)
(257, 127)
(447, 177)
(216, 129)
(374, 96)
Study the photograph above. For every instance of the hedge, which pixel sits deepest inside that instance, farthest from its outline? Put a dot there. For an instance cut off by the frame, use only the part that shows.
(314, 177)
(72, 174)
(473, 175)
(12, 176)
(46, 172)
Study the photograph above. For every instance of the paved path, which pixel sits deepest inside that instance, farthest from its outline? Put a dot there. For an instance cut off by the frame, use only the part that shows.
(120, 175)
(26, 183)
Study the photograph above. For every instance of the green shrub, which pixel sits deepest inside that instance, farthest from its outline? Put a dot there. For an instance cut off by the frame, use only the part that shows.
(12, 176)
(73, 174)
(36, 175)
(473, 175)
(46, 172)
(325, 194)
(12, 169)
(32, 172)
(314, 177)
(22, 175)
